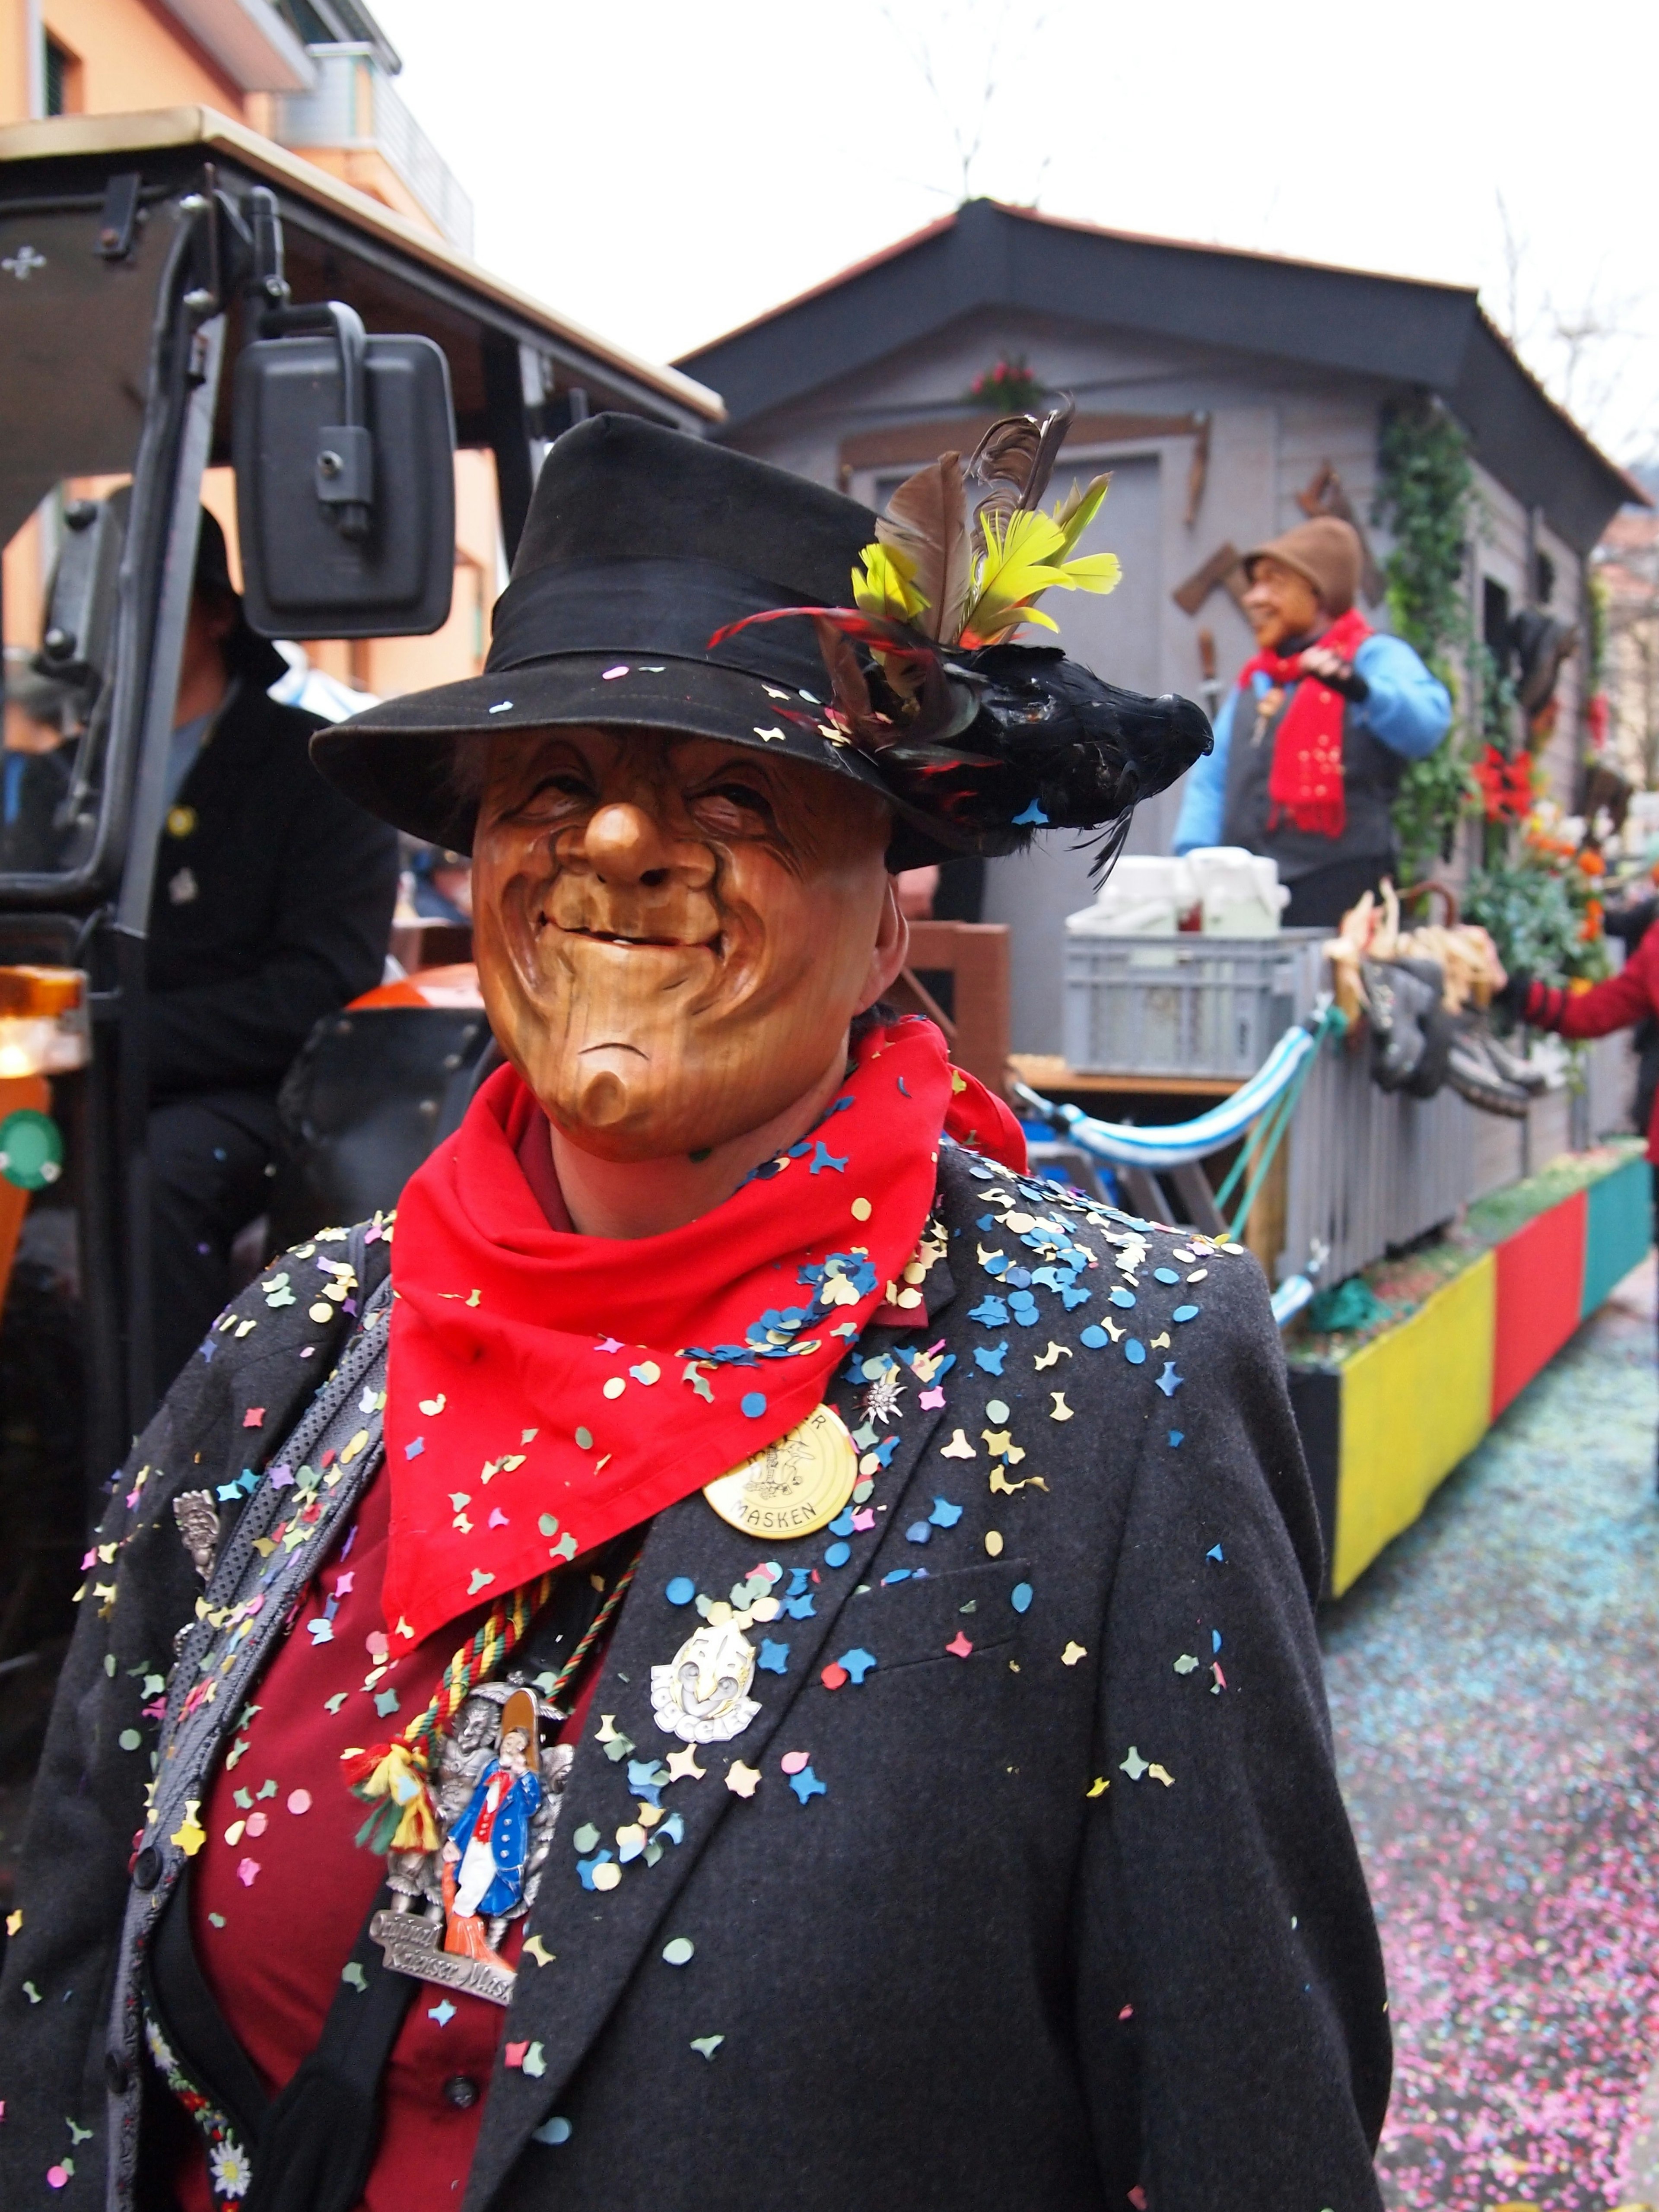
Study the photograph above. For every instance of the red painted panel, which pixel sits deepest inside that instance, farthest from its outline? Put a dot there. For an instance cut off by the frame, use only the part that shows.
(1540, 1287)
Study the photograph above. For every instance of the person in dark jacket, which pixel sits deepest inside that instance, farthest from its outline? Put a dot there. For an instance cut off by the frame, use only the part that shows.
(1311, 743)
(272, 907)
(905, 1565)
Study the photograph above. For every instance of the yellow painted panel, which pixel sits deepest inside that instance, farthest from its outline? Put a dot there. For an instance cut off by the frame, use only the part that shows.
(1413, 1403)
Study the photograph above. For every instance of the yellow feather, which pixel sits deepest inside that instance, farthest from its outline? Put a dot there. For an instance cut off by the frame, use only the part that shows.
(885, 585)
(1079, 509)
(1014, 569)
(1093, 572)
(1024, 558)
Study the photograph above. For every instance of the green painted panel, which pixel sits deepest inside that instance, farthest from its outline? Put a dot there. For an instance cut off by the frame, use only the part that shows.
(1619, 1229)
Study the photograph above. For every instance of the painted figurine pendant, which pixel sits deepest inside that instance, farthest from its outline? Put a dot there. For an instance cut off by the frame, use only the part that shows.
(796, 1485)
(496, 1792)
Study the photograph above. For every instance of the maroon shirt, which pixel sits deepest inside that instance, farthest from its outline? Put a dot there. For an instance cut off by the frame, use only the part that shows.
(274, 1914)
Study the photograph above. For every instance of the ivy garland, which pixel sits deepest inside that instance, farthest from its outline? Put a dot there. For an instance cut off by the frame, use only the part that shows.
(1599, 598)
(1426, 499)
(1536, 893)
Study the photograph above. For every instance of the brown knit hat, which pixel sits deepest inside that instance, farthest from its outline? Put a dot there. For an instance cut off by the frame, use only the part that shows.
(1326, 550)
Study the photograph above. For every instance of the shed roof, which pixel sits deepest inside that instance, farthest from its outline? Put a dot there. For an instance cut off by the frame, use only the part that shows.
(988, 255)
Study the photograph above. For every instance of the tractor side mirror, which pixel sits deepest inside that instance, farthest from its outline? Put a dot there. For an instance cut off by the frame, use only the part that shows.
(345, 489)
(80, 603)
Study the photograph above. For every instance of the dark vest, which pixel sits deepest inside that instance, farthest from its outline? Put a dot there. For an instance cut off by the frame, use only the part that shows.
(1371, 777)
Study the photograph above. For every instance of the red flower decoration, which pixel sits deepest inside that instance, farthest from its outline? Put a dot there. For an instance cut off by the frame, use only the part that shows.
(1505, 786)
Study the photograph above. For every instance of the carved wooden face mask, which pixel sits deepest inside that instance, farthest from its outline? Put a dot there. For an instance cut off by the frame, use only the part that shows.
(672, 934)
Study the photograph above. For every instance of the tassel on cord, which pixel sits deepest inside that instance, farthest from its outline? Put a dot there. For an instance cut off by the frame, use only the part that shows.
(391, 1776)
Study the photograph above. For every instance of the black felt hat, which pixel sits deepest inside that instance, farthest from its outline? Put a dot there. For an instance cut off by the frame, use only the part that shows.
(642, 547)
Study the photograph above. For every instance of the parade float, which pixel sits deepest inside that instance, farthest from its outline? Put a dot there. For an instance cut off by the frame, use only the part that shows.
(1420, 1180)
(1436, 1195)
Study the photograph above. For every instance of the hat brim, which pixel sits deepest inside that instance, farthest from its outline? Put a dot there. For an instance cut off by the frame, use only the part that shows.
(398, 759)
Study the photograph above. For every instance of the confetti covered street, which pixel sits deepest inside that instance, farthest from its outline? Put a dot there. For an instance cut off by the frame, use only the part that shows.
(1492, 1686)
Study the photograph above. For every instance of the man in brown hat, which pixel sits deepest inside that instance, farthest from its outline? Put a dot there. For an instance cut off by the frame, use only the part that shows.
(1311, 744)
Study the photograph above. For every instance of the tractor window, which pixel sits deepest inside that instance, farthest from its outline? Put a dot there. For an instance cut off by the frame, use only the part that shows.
(74, 335)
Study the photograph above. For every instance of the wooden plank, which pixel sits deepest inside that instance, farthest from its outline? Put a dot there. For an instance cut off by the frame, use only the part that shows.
(1618, 1231)
(1142, 1194)
(918, 443)
(1225, 566)
(1414, 1402)
(1541, 1296)
(1048, 1073)
(1193, 1188)
(1264, 1224)
(976, 954)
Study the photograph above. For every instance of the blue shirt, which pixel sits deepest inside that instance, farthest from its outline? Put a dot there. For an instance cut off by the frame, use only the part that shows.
(1408, 710)
(187, 740)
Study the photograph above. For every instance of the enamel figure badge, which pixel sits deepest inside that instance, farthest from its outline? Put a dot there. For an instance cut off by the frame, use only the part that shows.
(496, 1794)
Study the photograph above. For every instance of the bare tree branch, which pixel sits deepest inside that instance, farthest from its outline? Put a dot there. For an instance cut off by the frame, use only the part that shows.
(954, 31)
(1581, 351)
(1514, 253)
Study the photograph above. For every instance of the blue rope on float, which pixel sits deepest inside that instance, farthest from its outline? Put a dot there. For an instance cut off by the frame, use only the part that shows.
(1270, 1096)
(1173, 1144)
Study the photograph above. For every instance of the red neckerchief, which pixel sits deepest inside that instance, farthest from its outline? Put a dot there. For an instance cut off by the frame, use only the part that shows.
(1305, 780)
(546, 1391)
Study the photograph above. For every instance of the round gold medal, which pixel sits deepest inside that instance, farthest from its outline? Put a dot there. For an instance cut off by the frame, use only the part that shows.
(795, 1487)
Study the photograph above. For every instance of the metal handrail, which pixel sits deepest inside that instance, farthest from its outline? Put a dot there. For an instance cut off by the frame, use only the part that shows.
(356, 107)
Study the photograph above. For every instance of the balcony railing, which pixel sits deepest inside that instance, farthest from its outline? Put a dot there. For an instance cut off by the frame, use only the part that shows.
(356, 107)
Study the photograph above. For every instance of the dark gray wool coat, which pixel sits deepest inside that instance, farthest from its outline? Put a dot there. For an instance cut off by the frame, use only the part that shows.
(1077, 1921)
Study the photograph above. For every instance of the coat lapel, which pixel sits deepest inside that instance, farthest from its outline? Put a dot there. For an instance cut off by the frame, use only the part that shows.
(596, 1937)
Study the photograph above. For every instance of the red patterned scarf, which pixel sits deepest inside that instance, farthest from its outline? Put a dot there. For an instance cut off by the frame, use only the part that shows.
(548, 1390)
(1305, 781)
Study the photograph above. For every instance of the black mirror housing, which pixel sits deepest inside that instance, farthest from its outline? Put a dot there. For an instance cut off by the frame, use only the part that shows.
(345, 489)
(80, 604)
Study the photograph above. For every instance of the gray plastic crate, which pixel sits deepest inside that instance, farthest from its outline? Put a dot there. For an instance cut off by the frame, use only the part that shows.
(1185, 1004)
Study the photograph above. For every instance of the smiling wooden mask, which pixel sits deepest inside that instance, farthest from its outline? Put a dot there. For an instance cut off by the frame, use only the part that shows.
(672, 934)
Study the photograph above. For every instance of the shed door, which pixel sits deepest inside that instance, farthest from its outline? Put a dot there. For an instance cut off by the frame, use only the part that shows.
(1118, 638)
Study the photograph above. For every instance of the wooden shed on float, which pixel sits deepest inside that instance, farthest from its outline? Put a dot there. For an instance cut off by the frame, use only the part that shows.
(1229, 393)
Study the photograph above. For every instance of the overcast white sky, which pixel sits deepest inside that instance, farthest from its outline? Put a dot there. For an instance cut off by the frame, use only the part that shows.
(663, 171)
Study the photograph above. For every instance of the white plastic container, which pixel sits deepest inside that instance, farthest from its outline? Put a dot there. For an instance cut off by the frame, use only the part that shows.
(1146, 895)
(1239, 892)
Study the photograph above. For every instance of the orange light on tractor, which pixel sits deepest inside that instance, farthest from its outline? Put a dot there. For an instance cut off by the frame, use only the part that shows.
(43, 1024)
